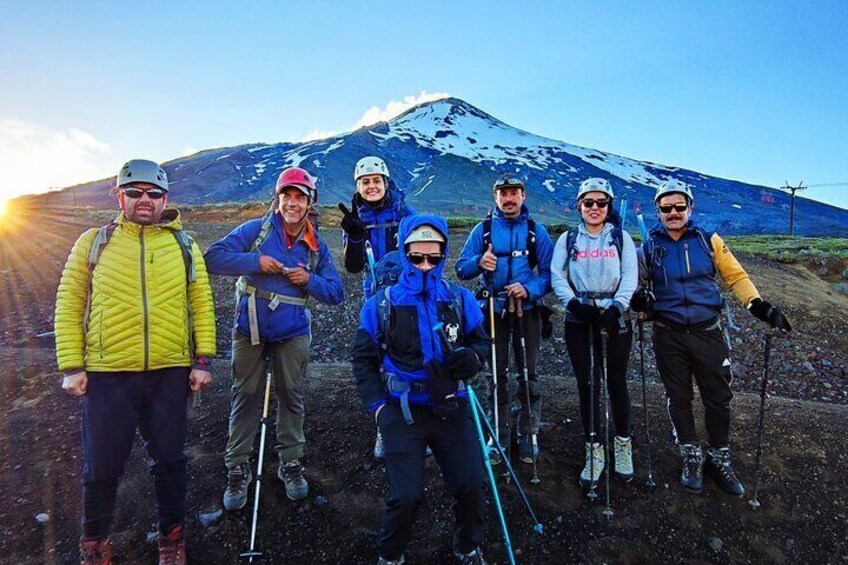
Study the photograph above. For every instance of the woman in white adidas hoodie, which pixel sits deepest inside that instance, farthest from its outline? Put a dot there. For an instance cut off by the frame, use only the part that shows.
(594, 273)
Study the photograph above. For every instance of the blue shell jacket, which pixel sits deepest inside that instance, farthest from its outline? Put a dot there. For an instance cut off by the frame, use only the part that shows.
(423, 291)
(393, 209)
(232, 255)
(683, 276)
(508, 235)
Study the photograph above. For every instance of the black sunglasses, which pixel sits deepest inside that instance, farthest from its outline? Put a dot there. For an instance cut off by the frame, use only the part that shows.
(152, 193)
(590, 202)
(667, 208)
(418, 258)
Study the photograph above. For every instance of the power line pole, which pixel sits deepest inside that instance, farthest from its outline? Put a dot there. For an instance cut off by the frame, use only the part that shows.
(793, 190)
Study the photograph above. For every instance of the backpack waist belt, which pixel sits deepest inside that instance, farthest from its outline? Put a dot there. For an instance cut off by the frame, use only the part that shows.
(598, 295)
(395, 384)
(274, 300)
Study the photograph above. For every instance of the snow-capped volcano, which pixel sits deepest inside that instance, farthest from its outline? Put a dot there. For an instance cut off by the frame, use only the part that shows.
(446, 154)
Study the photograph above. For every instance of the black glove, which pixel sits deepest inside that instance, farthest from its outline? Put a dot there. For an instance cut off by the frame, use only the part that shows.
(586, 313)
(353, 226)
(462, 363)
(643, 300)
(609, 318)
(772, 315)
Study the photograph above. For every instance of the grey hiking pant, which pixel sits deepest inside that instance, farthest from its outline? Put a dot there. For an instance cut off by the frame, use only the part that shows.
(291, 358)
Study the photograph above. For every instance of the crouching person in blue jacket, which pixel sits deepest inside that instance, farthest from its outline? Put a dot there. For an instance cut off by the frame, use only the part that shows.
(414, 386)
(281, 262)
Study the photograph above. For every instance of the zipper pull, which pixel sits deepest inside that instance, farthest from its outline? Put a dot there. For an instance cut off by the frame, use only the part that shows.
(686, 252)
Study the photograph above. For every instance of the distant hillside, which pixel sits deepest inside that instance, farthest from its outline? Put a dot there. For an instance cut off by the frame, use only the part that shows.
(446, 154)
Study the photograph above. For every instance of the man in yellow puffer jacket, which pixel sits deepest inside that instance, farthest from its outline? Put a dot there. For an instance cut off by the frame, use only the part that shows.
(135, 329)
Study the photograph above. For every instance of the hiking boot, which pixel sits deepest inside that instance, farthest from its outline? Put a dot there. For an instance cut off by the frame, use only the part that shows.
(291, 474)
(718, 465)
(473, 558)
(238, 480)
(494, 456)
(623, 459)
(172, 550)
(95, 552)
(379, 447)
(587, 479)
(692, 476)
(384, 561)
(527, 452)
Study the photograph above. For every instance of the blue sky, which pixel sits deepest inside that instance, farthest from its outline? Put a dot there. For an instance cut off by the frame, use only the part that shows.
(752, 91)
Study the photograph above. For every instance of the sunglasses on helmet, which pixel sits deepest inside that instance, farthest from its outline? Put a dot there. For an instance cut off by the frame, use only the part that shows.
(418, 258)
(152, 193)
(509, 181)
(591, 202)
(667, 208)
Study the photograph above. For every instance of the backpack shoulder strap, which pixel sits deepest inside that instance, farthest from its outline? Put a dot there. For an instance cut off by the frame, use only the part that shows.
(531, 243)
(264, 232)
(186, 242)
(384, 313)
(104, 234)
(487, 233)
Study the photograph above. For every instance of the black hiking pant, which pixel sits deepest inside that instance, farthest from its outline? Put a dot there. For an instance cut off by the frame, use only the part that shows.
(506, 326)
(453, 440)
(113, 407)
(682, 353)
(618, 355)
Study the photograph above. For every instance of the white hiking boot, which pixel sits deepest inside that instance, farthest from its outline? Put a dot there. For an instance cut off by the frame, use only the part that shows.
(624, 458)
(587, 478)
(379, 447)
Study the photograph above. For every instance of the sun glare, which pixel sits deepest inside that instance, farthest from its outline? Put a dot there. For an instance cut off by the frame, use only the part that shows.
(4, 207)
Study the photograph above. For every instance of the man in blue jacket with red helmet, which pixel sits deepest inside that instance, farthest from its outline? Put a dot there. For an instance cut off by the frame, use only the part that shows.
(281, 262)
(413, 383)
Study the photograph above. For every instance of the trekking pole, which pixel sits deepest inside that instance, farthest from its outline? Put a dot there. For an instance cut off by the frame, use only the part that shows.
(592, 495)
(269, 361)
(511, 311)
(494, 358)
(650, 482)
(537, 526)
(492, 481)
(761, 422)
(604, 345)
(534, 440)
(478, 410)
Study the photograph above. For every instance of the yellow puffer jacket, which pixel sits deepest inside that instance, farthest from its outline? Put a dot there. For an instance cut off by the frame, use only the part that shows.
(139, 318)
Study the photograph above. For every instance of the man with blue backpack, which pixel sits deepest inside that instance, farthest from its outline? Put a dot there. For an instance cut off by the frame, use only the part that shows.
(679, 264)
(370, 230)
(511, 253)
(414, 384)
(281, 262)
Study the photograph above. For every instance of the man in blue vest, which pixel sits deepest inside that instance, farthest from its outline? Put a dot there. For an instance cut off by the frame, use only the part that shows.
(679, 263)
(412, 380)
(513, 261)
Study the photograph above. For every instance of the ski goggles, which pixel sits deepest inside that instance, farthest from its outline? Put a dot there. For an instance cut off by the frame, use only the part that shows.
(418, 258)
(152, 193)
(508, 182)
(667, 208)
(591, 203)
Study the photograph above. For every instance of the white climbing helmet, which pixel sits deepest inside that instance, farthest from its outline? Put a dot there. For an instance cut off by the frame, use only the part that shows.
(370, 166)
(595, 185)
(142, 170)
(672, 186)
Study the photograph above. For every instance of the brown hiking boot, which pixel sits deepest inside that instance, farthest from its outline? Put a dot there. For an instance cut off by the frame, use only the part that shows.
(95, 552)
(172, 549)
